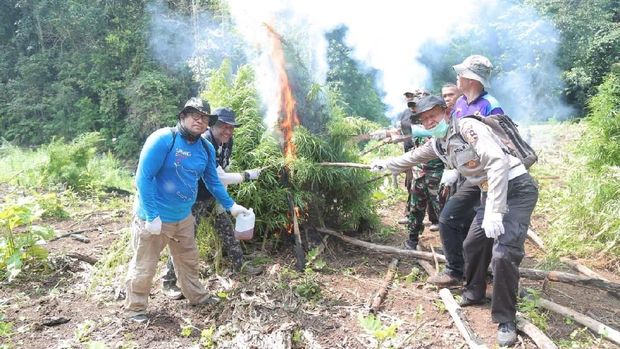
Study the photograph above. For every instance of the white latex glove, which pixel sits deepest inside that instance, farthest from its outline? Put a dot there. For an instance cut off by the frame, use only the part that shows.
(230, 178)
(378, 165)
(252, 174)
(235, 210)
(449, 177)
(492, 224)
(154, 226)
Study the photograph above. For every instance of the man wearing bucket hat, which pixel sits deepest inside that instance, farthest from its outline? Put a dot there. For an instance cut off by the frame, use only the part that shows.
(509, 195)
(459, 211)
(171, 162)
(220, 135)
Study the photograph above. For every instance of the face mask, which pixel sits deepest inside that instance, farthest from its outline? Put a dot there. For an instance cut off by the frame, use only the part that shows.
(440, 129)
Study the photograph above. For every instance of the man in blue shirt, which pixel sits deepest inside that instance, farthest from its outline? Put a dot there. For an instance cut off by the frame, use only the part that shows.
(171, 163)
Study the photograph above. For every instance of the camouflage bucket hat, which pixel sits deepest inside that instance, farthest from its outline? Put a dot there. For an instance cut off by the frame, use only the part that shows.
(198, 105)
(475, 67)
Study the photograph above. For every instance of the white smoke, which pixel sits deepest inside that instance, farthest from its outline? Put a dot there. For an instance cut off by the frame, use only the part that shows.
(389, 37)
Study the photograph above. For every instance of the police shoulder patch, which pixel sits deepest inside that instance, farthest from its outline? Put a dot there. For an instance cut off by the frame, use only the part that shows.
(470, 135)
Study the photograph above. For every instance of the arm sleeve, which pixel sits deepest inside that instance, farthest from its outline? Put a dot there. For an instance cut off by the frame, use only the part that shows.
(230, 178)
(152, 159)
(212, 180)
(420, 155)
(496, 164)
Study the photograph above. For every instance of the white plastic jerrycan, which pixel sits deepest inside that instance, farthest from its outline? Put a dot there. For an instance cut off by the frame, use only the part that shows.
(244, 226)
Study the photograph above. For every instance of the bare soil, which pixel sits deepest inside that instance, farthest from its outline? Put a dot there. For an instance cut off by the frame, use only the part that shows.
(57, 308)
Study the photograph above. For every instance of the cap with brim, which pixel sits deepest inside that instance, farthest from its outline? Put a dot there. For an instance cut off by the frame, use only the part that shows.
(227, 116)
(475, 67)
(466, 73)
(197, 105)
(427, 103)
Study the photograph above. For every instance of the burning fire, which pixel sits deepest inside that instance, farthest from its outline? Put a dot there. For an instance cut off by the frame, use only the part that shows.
(288, 118)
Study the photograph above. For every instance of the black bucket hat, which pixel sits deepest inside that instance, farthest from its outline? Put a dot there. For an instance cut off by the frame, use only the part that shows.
(227, 116)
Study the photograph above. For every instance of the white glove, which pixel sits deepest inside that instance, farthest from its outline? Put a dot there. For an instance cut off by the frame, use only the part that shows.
(380, 134)
(378, 165)
(492, 224)
(449, 177)
(235, 210)
(252, 174)
(154, 226)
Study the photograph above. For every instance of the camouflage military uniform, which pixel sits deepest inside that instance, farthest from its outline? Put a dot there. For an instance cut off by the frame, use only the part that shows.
(423, 193)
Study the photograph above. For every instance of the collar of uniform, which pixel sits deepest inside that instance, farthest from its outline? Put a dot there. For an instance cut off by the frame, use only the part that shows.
(482, 94)
(453, 127)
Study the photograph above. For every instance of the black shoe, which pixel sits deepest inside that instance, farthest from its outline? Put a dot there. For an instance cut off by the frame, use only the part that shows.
(410, 245)
(507, 334)
(466, 302)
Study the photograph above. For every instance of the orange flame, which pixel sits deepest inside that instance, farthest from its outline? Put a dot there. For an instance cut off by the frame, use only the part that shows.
(288, 118)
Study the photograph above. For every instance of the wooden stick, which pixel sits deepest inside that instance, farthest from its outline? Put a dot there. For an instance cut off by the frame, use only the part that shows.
(426, 265)
(376, 178)
(381, 248)
(344, 164)
(384, 142)
(535, 239)
(582, 268)
(82, 257)
(383, 290)
(559, 276)
(300, 254)
(435, 258)
(596, 327)
(532, 274)
(539, 337)
(459, 319)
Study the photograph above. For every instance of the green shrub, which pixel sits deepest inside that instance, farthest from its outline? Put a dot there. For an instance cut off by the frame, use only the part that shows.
(68, 162)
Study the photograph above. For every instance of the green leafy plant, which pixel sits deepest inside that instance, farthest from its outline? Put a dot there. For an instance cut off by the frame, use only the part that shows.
(68, 162)
(529, 307)
(206, 337)
(413, 276)
(373, 326)
(313, 261)
(84, 330)
(18, 242)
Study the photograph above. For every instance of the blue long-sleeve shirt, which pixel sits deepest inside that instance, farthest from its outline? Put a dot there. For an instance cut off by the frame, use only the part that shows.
(167, 178)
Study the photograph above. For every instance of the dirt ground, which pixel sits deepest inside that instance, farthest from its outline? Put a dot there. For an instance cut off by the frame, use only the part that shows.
(58, 308)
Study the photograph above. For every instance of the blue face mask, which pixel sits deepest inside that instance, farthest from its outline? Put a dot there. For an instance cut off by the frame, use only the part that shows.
(440, 130)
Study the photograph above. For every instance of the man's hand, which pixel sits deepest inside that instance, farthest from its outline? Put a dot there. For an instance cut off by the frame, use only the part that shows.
(154, 226)
(449, 177)
(378, 165)
(493, 225)
(235, 210)
(252, 174)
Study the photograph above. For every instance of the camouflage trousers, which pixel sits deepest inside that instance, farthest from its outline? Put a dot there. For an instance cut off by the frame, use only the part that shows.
(424, 191)
(225, 229)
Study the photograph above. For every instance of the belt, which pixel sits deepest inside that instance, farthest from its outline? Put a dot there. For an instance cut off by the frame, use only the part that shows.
(512, 173)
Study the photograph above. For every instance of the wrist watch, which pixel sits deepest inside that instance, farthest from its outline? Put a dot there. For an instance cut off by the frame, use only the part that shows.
(246, 176)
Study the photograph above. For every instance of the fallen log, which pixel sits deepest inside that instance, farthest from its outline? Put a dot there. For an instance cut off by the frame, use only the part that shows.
(582, 268)
(573, 279)
(344, 164)
(528, 273)
(459, 320)
(539, 337)
(381, 248)
(383, 290)
(596, 327)
(535, 239)
(82, 257)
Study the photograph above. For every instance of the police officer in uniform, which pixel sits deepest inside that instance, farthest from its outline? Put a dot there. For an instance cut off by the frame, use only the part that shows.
(509, 195)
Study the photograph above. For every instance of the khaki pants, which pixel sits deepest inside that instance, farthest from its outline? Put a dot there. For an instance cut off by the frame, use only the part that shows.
(147, 248)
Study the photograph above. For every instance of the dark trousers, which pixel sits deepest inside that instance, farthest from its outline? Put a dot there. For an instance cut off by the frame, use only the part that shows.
(504, 253)
(454, 222)
(225, 229)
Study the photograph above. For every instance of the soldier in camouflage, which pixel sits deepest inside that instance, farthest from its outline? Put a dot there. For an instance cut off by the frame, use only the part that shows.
(220, 135)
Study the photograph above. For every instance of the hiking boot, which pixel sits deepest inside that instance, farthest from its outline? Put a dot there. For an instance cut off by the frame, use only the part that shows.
(434, 227)
(507, 334)
(403, 221)
(445, 279)
(249, 269)
(139, 318)
(173, 292)
(410, 245)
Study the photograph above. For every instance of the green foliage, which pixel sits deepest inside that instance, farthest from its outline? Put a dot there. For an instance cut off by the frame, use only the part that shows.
(210, 246)
(373, 326)
(601, 143)
(84, 330)
(19, 240)
(313, 261)
(308, 286)
(112, 266)
(52, 206)
(68, 162)
(6, 328)
(529, 307)
(206, 338)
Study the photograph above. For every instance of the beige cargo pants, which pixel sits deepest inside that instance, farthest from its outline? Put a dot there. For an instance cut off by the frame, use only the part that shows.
(146, 250)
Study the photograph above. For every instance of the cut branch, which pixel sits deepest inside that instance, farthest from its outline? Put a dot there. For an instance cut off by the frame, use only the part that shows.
(344, 164)
(382, 143)
(597, 327)
(382, 248)
(82, 257)
(535, 239)
(459, 319)
(539, 337)
(426, 265)
(383, 290)
(582, 268)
